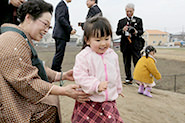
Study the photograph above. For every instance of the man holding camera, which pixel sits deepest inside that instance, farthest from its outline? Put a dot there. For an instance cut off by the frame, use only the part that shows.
(130, 28)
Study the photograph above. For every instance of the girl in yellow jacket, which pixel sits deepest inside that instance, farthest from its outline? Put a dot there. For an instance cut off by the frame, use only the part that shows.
(146, 70)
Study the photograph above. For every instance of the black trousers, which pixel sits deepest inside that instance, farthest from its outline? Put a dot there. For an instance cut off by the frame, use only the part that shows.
(129, 54)
(59, 54)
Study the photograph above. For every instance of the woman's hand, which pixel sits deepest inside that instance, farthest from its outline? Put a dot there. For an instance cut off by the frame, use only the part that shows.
(72, 90)
(75, 92)
(68, 75)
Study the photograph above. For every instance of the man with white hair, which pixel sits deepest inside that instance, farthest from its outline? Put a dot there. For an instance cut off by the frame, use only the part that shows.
(130, 28)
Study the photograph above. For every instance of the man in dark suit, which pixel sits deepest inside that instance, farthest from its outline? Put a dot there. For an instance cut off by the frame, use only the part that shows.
(94, 10)
(130, 28)
(61, 33)
(8, 11)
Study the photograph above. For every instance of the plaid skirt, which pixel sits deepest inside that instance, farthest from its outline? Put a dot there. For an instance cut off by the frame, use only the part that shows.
(96, 112)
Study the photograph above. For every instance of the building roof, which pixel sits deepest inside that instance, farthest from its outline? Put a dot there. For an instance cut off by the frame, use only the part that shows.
(155, 32)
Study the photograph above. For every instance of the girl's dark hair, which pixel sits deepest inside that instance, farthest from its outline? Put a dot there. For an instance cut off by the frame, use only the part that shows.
(96, 27)
(96, 1)
(149, 49)
(35, 8)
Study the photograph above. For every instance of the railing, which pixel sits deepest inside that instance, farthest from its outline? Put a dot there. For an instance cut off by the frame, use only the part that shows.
(178, 83)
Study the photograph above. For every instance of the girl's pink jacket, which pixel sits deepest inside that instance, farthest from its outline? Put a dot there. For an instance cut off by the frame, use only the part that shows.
(91, 68)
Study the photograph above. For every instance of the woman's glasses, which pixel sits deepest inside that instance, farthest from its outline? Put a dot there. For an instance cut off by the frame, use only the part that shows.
(45, 24)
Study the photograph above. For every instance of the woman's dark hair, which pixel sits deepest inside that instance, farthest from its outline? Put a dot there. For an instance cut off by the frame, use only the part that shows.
(149, 49)
(96, 1)
(96, 27)
(35, 8)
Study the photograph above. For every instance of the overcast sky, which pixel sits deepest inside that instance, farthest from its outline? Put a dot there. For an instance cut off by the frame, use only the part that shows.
(164, 15)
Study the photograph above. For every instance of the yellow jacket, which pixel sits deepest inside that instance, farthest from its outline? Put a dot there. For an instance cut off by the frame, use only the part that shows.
(146, 69)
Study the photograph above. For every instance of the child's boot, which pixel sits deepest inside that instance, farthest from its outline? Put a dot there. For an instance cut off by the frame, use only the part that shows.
(141, 89)
(147, 92)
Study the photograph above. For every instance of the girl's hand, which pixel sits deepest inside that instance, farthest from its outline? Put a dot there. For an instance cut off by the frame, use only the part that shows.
(121, 94)
(102, 86)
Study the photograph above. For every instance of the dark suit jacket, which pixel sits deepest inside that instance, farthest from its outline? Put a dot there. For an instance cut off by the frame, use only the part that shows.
(62, 28)
(135, 38)
(6, 12)
(93, 11)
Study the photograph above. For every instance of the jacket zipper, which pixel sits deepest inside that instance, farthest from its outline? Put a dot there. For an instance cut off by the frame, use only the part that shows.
(106, 78)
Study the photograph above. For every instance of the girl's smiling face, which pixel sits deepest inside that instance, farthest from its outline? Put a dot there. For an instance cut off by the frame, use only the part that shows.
(99, 45)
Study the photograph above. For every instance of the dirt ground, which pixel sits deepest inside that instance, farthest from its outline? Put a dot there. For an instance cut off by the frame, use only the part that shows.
(164, 107)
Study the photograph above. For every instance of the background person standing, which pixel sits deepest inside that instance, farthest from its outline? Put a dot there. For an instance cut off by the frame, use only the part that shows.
(8, 11)
(94, 10)
(61, 33)
(130, 28)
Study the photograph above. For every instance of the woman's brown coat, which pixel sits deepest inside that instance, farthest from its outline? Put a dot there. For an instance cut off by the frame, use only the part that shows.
(21, 88)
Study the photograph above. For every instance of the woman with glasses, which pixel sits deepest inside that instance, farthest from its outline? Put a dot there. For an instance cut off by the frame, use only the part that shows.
(26, 90)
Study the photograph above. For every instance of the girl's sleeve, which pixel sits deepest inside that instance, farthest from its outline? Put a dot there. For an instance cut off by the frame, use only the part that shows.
(153, 69)
(88, 83)
(119, 83)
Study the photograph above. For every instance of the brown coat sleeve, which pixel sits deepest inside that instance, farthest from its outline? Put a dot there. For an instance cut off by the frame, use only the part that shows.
(50, 73)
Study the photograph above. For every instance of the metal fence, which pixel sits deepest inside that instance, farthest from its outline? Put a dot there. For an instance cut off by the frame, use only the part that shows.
(175, 82)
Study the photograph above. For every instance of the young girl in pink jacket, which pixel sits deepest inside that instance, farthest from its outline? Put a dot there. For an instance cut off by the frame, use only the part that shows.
(97, 71)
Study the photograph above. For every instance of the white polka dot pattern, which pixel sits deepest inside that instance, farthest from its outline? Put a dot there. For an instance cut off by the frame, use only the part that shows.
(20, 85)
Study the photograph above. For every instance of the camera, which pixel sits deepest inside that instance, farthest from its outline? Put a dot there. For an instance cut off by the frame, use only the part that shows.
(131, 30)
(131, 27)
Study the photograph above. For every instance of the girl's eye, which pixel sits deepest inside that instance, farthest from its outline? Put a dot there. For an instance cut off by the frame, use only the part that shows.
(107, 39)
(98, 40)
